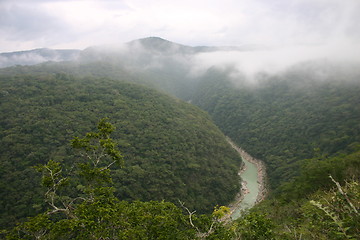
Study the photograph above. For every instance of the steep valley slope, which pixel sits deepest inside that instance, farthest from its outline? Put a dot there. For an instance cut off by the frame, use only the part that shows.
(172, 149)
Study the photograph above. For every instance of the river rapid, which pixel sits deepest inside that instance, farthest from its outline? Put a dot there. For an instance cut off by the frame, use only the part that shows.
(253, 190)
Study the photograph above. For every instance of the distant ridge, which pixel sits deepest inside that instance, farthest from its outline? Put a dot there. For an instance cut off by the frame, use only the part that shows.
(162, 45)
(35, 56)
(152, 45)
(158, 44)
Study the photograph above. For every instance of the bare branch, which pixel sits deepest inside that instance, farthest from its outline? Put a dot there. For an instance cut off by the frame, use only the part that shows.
(108, 166)
(201, 235)
(190, 215)
(344, 194)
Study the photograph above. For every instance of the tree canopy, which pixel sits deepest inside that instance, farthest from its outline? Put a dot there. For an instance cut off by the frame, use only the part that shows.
(171, 149)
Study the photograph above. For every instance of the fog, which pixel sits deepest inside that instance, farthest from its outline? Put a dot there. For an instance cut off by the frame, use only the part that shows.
(277, 60)
(24, 59)
(36, 56)
(79, 24)
(271, 36)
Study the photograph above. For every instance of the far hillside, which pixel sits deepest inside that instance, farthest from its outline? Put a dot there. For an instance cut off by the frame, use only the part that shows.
(172, 149)
(289, 117)
(306, 109)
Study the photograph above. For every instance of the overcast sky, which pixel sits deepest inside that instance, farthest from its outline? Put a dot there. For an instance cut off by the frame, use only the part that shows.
(28, 24)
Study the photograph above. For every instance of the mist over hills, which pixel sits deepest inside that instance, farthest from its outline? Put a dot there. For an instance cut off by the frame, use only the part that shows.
(153, 45)
(169, 65)
(297, 109)
(36, 56)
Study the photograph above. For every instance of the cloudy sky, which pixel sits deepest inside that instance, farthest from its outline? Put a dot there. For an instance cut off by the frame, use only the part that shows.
(28, 24)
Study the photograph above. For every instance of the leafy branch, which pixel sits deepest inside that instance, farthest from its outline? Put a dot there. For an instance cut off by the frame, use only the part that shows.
(100, 150)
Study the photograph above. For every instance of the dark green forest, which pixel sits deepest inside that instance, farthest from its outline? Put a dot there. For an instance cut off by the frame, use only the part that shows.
(172, 150)
(307, 133)
(286, 118)
(176, 169)
(93, 212)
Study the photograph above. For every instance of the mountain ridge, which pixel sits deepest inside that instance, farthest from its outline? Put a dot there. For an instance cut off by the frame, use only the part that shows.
(36, 56)
(153, 45)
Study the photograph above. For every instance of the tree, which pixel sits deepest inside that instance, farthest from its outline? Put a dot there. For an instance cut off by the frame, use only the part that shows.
(95, 213)
(100, 153)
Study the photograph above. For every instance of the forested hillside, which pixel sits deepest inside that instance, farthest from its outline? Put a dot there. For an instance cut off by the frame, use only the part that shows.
(303, 122)
(286, 118)
(156, 62)
(172, 150)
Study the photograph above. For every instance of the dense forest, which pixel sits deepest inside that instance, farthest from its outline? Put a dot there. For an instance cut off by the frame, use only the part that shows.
(307, 131)
(302, 122)
(94, 212)
(287, 118)
(167, 144)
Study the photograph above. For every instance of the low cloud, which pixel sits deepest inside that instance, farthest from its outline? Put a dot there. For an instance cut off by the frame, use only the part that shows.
(24, 59)
(276, 60)
(79, 24)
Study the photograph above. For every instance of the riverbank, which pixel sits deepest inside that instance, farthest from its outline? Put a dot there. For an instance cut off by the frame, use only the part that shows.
(261, 180)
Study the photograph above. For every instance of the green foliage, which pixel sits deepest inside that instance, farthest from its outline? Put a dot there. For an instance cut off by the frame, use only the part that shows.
(254, 226)
(96, 213)
(121, 220)
(336, 213)
(314, 175)
(172, 150)
(103, 146)
(95, 173)
(331, 214)
(52, 175)
(220, 212)
(311, 208)
(286, 118)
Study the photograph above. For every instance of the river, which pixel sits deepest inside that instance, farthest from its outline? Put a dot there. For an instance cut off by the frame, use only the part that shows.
(253, 189)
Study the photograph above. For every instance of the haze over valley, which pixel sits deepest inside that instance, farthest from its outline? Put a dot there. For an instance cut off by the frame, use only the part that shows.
(134, 124)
